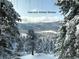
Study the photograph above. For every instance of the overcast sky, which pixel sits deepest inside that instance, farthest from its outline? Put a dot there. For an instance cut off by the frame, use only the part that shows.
(23, 6)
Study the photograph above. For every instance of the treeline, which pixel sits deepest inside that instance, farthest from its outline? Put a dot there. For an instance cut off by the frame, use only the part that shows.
(35, 43)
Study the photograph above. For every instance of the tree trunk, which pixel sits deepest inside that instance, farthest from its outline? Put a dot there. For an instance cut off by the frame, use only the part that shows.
(32, 52)
(33, 49)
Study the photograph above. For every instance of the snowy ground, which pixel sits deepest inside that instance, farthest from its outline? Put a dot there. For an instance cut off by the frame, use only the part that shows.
(39, 56)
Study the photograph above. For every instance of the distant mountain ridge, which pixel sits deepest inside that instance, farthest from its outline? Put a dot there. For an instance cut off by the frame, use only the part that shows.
(40, 26)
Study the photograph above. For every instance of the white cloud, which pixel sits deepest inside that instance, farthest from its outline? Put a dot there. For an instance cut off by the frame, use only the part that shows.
(39, 19)
(34, 10)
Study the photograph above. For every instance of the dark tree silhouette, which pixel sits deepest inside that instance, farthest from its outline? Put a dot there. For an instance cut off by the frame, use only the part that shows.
(32, 40)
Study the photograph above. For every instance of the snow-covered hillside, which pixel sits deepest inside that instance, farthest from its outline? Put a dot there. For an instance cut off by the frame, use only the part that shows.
(48, 31)
(39, 56)
(39, 26)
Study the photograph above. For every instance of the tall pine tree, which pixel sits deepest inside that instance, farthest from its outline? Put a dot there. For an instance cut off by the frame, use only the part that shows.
(9, 34)
(67, 42)
(31, 41)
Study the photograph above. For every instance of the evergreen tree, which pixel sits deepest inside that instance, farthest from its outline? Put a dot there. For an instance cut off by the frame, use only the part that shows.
(39, 44)
(52, 46)
(67, 41)
(9, 34)
(31, 40)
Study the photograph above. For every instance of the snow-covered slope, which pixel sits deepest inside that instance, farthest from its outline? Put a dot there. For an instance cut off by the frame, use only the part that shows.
(48, 31)
(39, 56)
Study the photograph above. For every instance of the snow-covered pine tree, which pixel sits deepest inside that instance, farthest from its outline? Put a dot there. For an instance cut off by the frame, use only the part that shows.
(31, 40)
(9, 34)
(47, 46)
(67, 41)
(52, 46)
(39, 44)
